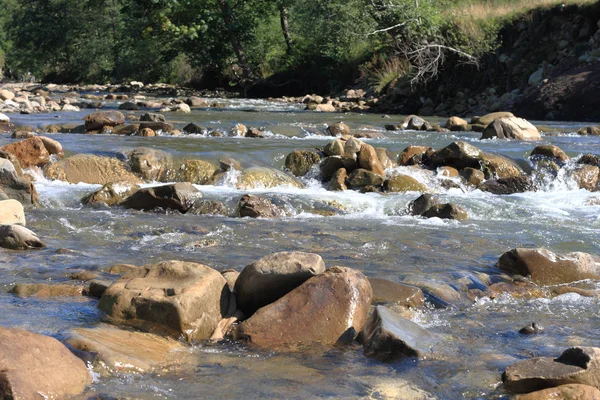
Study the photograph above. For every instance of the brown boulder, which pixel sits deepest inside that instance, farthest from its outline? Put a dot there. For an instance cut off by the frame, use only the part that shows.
(17, 237)
(111, 194)
(589, 130)
(572, 391)
(385, 291)
(368, 159)
(32, 364)
(30, 152)
(511, 128)
(328, 308)
(548, 268)
(299, 162)
(362, 177)
(575, 365)
(518, 184)
(177, 297)
(497, 166)
(151, 164)
(587, 176)
(329, 166)
(404, 183)
(338, 128)
(273, 276)
(409, 152)
(338, 181)
(472, 176)
(456, 124)
(550, 151)
(46, 290)
(385, 157)
(11, 212)
(258, 207)
(99, 120)
(489, 118)
(334, 148)
(458, 155)
(177, 196)
(88, 168)
(198, 172)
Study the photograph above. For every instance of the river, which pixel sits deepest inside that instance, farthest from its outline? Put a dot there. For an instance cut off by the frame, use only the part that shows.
(372, 234)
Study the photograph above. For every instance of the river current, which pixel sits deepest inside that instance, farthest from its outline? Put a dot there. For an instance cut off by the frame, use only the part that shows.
(371, 234)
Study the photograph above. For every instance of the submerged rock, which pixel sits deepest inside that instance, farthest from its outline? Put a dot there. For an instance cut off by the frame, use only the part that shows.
(11, 212)
(178, 196)
(267, 178)
(208, 207)
(31, 364)
(258, 207)
(575, 365)
(111, 194)
(273, 276)
(548, 268)
(88, 168)
(126, 351)
(329, 308)
(531, 329)
(16, 237)
(177, 297)
(46, 290)
(388, 336)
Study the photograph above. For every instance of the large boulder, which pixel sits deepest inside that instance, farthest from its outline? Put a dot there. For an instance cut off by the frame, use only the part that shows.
(550, 151)
(258, 207)
(338, 129)
(99, 120)
(177, 196)
(338, 181)
(575, 365)
(265, 178)
(150, 164)
(152, 117)
(410, 153)
(548, 268)
(587, 176)
(88, 168)
(34, 366)
(518, 184)
(17, 237)
(429, 207)
(491, 117)
(330, 165)
(496, 166)
(125, 351)
(388, 336)
(385, 291)
(404, 183)
(458, 155)
(198, 172)
(368, 159)
(362, 177)
(299, 162)
(456, 124)
(11, 212)
(571, 391)
(511, 128)
(175, 297)
(14, 186)
(329, 308)
(30, 152)
(273, 276)
(111, 194)
(334, 148)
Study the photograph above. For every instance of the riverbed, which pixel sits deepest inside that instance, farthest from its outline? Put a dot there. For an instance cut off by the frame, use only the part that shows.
(371, 233)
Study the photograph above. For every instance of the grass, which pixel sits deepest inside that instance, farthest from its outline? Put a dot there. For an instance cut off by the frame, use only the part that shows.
(380, 74)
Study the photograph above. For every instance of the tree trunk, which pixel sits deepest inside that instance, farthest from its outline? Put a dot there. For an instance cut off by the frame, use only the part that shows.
(228, 18)
(285, 27)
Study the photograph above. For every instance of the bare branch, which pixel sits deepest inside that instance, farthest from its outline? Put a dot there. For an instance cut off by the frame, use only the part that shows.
(389, 28)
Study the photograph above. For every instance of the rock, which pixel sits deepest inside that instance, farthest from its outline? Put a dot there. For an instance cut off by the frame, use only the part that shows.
(198, 172)
(151, 164)
(368, 159)
(338, 129)
(456, 124)
(22, 135)
(427, 206)
(404, 183)
(576, 365)
(194, 129)
(228, 163)
(208, 207)
(6, 94)
(52, 146)
(129, 106)
(273, 276)
(489, 118)
(448, 172)
(413, 122)
(181, 298)
(230, 276)
(12, 183)
(146, 132)
(121, 269)
(587, 176)
(531, 329)
(32, 364)
(267, 178)
(30, 152)
(547, 268)
(329, 166)
(496, 166)
(511, 128)
(385, 291)
(196, 102)
(329, 308)
(182, 107)
(387, 336)
(550, 151)
(392, 127)
(177, 196)
(239, 130)
(299, 162)
(255, 133)
(70, 107)
(571, 391)
(507, 185)
(334, 148)
(409, 152)
(385, 157)
(99, 120)
(45, 290)
(589, 159)
(362, 177)
(125, 351)
(11, 212)
(111, 194)
(472, 176)
(258, 207)
(153, 117)
(589, 130)
(338, 181)
(325, 108)
(88, 168)
(16, 237)
(458, 155)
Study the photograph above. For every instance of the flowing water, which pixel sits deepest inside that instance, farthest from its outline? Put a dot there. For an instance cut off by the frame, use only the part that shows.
(371, 233)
